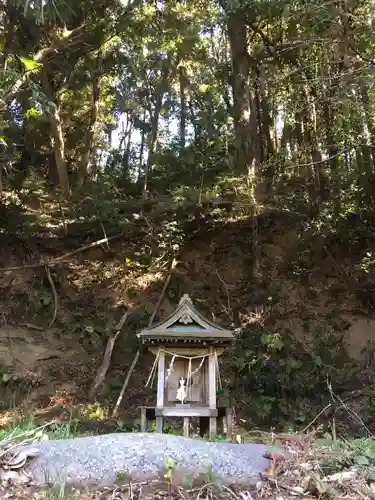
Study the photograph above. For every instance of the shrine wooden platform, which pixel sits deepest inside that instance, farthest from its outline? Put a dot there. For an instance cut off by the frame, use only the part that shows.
(221, 417)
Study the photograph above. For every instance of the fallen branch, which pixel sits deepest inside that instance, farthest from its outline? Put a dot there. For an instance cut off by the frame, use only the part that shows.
(55, 298)
(336, 398)
(103, 368)
(151, 320)
(62, 258)
(343, 476)
(327, 407)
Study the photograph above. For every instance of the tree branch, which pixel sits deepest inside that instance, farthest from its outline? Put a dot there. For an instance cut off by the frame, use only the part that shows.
(61, 259)
(103, 368)
(41, 56)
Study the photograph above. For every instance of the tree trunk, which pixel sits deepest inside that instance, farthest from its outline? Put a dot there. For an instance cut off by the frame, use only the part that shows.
(152, 138)
(129, 141)
(368, 148)
(246, 121)
(333, 151)
(266, 121)
(142, 149)
(154, 117)
(126, 154)
(183, 109)
(243, 95)
(57, 139)
(85, 165)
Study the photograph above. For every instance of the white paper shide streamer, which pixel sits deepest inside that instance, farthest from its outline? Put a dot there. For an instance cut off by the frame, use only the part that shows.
(184, 390)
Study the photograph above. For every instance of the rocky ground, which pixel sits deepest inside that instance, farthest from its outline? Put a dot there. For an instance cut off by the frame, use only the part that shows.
(143, 456)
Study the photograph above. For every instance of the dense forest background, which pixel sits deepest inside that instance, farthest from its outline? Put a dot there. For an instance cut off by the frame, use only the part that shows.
(227, 146)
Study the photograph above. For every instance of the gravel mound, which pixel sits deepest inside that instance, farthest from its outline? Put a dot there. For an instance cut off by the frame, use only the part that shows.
(101, 460)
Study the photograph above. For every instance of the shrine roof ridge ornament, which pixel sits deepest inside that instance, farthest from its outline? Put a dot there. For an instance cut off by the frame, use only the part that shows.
(185, 298)
(186, 322)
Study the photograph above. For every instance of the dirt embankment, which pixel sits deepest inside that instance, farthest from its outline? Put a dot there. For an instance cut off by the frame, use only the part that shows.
(309, 284)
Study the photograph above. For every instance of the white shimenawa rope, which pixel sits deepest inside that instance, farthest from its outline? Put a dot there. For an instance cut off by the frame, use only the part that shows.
(190, 373)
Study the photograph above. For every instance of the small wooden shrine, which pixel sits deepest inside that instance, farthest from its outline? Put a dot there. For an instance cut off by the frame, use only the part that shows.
(186, 347)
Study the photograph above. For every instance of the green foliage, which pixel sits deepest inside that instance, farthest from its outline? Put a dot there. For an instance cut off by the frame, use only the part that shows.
(171, 236)
(169, 467)
(280, 378)
(29, 427)
(123, 478)
(30, 64)
(46, 300)
(211, 483)
(67, 430)
(96, 411)
(348, 453)
(179, 69)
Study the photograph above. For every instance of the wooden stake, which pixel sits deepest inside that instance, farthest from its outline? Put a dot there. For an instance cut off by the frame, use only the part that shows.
(162, 293)
(186, 427)
(143, 419)
(125, 384)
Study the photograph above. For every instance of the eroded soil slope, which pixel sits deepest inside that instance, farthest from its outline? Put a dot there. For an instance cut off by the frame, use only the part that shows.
(314, 283)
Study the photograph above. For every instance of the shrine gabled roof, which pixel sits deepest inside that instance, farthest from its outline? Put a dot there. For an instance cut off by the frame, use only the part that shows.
(186, 322)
